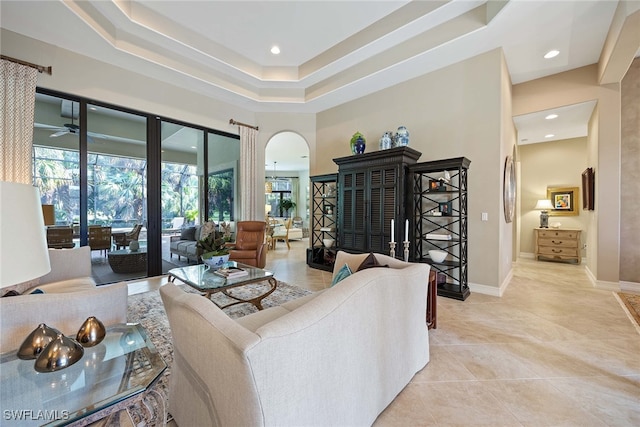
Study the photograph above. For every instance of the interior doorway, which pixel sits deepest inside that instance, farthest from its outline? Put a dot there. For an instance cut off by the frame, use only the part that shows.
(287, 176)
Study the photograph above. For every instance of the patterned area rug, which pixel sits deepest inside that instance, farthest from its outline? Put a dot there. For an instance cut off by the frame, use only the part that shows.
(631, 304)
(147, 309)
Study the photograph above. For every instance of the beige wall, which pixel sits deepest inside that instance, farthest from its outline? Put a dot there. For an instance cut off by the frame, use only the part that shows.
(453, 112)
(574, 87)
(550, 164)
(630, 177)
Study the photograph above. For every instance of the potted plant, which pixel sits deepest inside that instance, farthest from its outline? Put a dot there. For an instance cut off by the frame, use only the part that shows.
(191, 215)
(287, 204)
(215, 251)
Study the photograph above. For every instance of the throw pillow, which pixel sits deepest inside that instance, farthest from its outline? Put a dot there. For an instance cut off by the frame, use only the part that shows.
(342, 274)
(369, 261)
(188, 233)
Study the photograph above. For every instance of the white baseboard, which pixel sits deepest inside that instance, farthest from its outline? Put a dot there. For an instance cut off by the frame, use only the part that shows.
(526, 255)
(607, 286)
(492, 290)
(633, 287)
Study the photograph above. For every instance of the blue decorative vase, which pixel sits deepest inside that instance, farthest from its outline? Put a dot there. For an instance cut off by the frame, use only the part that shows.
(402, 137)
(386, 141)
(354, 140)
(360, 145)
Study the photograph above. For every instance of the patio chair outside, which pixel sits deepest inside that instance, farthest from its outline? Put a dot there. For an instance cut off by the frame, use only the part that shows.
(122, 240)
(100, 238)
(176, 225)
(60, 237)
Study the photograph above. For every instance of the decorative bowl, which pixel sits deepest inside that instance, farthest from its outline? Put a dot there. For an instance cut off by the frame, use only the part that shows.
(437, 256)
(216, 261)
(328, 243)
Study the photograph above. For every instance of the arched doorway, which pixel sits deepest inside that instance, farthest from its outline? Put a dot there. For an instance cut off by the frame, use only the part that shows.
(287, 176)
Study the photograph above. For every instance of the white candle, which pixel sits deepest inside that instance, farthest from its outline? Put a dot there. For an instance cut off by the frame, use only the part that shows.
(392, 234)
(406, 230)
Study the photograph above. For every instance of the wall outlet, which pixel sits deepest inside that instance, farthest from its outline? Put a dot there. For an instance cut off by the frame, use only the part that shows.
(485, 216)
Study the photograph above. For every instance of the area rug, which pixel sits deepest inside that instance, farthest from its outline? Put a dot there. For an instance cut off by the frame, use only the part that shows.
(148, 310)
(631, 305)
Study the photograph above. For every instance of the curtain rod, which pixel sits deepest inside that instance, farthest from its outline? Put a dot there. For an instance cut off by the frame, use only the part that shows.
(233, 122)
(40, 68)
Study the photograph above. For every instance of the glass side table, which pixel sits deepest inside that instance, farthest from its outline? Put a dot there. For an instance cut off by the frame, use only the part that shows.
(123, 365)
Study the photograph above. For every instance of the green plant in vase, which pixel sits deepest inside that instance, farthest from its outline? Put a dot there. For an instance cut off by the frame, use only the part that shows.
(191, 215)
(287, 204)
(213, 245)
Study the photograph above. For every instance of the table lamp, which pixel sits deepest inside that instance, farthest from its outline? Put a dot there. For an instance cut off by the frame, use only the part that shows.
(24, 254)
(544, 206)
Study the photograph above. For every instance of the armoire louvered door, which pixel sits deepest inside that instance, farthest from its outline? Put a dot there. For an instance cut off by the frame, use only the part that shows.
(371, 190)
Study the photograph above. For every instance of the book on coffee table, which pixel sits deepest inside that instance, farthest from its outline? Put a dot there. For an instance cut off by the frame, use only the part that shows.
(231, 272)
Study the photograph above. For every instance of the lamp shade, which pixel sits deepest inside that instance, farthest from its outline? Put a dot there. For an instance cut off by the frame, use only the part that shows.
(544, 205)
(24, 254)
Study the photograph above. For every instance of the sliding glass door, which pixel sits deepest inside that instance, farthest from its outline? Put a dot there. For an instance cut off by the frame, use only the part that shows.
(115, 176)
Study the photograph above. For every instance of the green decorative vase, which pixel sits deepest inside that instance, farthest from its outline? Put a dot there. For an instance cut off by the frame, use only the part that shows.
(354, 141)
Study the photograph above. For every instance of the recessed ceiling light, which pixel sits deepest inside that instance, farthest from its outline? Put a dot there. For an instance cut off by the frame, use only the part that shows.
(550, 135)
(551, 116)
(551, 54)
(275, 50)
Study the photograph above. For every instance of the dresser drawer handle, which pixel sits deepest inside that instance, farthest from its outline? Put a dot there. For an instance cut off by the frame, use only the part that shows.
(556, 251)
(559, 242)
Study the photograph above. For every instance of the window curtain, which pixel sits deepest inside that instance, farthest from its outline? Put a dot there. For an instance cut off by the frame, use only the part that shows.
(248, 173)
(17, 97)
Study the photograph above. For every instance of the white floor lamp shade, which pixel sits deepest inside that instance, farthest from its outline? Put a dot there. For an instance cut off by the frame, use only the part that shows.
(23, 244)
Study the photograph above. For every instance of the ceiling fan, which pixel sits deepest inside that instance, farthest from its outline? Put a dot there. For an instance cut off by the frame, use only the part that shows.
(67, 128)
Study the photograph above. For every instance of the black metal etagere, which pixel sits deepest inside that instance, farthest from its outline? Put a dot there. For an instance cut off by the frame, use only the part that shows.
(439, 221)
(324, 214)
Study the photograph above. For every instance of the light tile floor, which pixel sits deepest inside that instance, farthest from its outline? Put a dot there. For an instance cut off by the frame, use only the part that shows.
(553, 351)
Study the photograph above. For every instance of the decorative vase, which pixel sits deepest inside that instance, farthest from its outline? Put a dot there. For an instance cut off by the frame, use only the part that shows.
(386, 141)
(61, 353)
(353, 141)
(402, 137)
(360, 145)
(37, 340)
(214, 261)
(134, 245)
(91, 333)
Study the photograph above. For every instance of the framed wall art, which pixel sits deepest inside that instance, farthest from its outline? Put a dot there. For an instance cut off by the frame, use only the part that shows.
(588, 187)
(564, 200)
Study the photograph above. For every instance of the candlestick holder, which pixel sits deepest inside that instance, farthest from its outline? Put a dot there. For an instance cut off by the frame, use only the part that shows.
(406, 250)
(392, 249)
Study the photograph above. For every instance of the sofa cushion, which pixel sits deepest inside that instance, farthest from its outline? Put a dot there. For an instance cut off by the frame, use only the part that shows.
(255, 320)
(188, 233)
(71, 285)
(342, 274)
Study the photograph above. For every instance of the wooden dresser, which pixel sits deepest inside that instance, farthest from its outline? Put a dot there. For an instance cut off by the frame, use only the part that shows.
(558, 244)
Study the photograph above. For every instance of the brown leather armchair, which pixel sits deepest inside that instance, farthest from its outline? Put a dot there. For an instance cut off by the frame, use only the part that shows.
(250, 246)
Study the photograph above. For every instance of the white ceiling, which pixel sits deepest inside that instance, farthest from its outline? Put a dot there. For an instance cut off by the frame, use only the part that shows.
(331, 51)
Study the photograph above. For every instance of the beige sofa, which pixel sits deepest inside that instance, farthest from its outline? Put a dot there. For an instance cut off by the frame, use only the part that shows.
(334, 358)
(70, 296)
